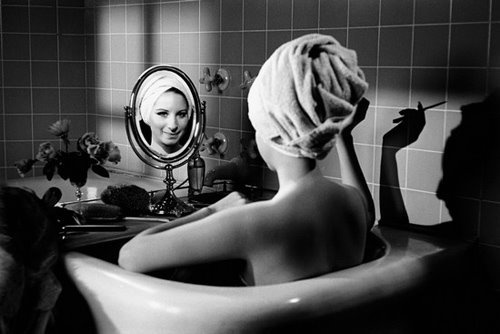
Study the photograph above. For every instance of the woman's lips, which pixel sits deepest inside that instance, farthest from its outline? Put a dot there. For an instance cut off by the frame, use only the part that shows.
(171, 135)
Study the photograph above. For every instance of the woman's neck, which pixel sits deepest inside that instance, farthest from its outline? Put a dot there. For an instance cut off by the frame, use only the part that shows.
(293, 172)
(164, 149)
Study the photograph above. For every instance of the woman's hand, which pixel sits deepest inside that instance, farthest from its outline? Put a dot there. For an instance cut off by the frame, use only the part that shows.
(408, 128)
(232, 200)
(351, 121)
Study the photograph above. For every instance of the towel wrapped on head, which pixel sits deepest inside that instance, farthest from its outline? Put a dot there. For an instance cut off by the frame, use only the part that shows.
(157, 85)
(302, 94)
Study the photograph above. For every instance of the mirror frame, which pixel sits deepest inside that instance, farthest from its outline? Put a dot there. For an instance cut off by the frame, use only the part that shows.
(136, 138)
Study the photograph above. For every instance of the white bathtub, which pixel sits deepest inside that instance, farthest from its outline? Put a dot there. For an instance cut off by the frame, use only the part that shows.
(126, 302)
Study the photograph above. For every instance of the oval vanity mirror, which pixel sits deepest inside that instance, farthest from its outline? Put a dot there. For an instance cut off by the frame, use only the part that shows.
(165, 122)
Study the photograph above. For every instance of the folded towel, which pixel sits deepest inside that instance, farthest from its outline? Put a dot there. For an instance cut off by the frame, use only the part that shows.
(157, 84)
(303, 92)
(92, 213)
(130, 198)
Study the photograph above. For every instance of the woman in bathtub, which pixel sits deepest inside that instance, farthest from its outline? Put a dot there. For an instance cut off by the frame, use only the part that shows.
(304, 100)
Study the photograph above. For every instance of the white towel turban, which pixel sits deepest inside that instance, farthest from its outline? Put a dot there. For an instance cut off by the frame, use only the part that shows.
(303, 92)
(156, 85)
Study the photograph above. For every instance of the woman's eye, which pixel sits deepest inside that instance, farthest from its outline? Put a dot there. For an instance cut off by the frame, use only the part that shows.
(162, 113)
(182, 114)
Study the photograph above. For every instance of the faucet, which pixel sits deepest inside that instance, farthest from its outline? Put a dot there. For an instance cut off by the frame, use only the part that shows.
(236, 169)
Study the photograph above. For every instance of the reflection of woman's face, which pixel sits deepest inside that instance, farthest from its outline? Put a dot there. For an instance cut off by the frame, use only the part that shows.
(169, 120)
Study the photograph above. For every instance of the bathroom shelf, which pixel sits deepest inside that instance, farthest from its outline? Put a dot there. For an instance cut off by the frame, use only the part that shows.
(77, 240)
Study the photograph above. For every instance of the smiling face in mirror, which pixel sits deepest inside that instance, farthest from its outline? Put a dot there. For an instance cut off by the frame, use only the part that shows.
(165, 119)
(169, 121)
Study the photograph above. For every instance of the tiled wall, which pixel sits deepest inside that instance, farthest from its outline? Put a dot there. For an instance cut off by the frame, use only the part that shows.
(422, 50)
(410, 50)
(43, 75)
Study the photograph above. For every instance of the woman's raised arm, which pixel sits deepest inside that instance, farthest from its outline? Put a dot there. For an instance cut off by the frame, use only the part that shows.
(201, 236)
(349, 165)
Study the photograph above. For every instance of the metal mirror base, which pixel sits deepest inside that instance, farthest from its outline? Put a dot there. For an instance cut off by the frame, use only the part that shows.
(169, 204)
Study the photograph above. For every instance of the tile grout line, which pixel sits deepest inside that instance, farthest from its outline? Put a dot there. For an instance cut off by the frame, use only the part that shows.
(348, 21)
(219, 100)
(410, 95)
(446, 92)
(488, 52)
(261, 168)
(256, 64)
(4, 167)
(242, 63)
(266, 30)
(129, 148)
(32, 149)
(318, 22)
(481, 188)
(86, 69)
(377, 73)
(111, 73)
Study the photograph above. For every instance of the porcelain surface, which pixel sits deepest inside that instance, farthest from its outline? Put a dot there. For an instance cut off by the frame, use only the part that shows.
(126, 302)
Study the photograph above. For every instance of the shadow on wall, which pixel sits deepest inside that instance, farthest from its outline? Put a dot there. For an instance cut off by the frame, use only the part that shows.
(471, 164)
(408, 128)
(471, 180)
(471, 168)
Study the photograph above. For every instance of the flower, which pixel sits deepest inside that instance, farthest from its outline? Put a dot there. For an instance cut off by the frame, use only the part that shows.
(87, 140)
(45, 152)
(91, 153)
(24, 166)
(113, 152)
(60, 128)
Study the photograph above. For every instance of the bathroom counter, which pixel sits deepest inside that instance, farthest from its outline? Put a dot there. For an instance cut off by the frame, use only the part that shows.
(92, 190)
(77, 240)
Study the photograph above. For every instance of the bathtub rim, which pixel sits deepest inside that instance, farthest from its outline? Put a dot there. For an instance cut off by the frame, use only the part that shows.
(408, 259)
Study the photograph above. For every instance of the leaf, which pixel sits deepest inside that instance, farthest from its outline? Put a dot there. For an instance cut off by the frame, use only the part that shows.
(62, 170)
(49, 169)
(52, 196)
(99, 170)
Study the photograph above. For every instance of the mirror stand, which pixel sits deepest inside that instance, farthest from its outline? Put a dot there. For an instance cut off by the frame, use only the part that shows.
(144, 125)
(169, 204)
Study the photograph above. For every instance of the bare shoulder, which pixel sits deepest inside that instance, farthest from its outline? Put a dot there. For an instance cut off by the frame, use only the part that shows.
(353, 194)
(321, 191)
(245, 215)
(325, 201)
(251, 223)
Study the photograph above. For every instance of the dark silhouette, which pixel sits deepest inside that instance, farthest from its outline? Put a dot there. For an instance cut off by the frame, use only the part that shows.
(471, 179)
(408, 128)
(471, 164)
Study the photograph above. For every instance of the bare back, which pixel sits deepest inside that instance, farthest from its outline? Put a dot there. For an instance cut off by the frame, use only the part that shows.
(315, 228)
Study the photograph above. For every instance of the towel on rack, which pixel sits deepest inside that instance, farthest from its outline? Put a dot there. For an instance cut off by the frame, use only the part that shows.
(303, 92)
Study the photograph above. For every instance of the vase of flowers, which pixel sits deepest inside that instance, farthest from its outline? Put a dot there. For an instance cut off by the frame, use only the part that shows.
(91, 153)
